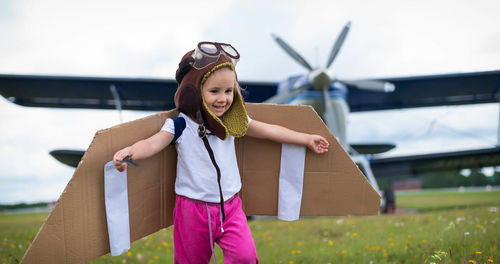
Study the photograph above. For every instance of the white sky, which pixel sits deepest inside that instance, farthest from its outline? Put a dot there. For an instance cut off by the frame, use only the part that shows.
(147, 39)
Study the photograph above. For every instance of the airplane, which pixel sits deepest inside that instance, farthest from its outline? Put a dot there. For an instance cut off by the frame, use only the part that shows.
(333, 98)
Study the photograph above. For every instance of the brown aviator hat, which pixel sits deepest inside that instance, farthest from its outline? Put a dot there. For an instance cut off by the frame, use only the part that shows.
(194, 69)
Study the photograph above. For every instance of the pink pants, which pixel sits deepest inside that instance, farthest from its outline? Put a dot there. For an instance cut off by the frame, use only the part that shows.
(192, 239)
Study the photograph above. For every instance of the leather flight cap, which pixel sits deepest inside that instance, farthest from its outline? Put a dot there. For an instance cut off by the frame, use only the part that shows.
(189, 98)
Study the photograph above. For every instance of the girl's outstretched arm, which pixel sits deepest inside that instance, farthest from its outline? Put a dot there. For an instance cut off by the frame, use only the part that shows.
(143, 149)
(280, 134)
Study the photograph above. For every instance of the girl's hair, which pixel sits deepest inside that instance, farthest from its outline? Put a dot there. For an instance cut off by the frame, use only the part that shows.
(241, 90)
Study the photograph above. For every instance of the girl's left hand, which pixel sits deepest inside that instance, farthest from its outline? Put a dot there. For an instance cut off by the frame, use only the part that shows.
(318, 144)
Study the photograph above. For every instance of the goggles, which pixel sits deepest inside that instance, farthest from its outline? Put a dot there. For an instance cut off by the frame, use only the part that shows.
(207, 53)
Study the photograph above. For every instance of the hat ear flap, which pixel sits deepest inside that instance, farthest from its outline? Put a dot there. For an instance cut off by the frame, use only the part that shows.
(189, 99)
(236, 119)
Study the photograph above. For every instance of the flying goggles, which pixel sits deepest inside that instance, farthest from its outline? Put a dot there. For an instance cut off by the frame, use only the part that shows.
(207, 53)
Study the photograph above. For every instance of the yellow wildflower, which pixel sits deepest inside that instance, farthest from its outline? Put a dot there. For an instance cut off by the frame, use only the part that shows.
(330, 243)
(298, 251)
(271, 244)
(490, 260)
(409, 236)
(129, 254)
(299, 243)
(478, 252)
(150, 261)
(478, 225)
(156, 257)
(344, 251)
(392, 244)
(424, 241)
(165, 244)
(389, 239)
(293, 252)
(471, 261)
(291, 262)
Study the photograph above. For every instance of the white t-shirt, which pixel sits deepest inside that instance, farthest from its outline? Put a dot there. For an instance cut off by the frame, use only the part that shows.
(196, 174)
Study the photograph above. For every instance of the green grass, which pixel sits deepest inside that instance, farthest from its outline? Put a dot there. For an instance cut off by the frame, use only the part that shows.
(442, 200)
(470, 233)
(16, 233)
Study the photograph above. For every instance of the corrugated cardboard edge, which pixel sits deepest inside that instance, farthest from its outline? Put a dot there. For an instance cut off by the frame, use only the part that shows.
(76, 230)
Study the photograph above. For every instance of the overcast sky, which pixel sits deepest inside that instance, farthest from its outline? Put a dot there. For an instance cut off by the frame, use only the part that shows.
(147, 39)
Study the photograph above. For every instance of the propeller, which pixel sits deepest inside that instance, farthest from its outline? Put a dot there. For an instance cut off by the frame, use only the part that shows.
(281, 98)
(338, 44)
(295, 55)
(321, 81)
(329, 115)
(373, 85)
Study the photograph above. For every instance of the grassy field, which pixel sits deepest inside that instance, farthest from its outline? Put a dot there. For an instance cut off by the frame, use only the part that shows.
(469, 234)
(442, 200)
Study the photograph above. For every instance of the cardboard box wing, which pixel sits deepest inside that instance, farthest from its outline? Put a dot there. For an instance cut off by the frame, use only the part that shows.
(333, 184)
(76, 229)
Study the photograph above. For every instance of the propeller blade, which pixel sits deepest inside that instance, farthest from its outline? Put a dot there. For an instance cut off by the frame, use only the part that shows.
(295, 55)
(335, 118)
(329, 114)
(282, 98)
(338, 44)
(371, 85)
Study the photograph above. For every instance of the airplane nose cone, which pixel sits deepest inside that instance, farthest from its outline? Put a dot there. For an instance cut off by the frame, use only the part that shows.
(320, 79)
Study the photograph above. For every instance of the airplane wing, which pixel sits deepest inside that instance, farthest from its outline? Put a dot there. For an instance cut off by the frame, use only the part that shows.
(157, 94)
(410, 166)
(430, 90)
(96, 92)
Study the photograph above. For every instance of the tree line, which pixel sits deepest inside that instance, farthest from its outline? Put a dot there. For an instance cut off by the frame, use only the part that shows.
(21, 206)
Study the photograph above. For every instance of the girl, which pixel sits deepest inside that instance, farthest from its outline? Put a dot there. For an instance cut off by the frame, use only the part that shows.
(212, 113)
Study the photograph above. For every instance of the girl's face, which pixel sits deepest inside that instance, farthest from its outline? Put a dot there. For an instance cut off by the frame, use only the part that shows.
(218, 91)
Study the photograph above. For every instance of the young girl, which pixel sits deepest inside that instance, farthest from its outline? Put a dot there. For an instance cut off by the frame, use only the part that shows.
(212, 113)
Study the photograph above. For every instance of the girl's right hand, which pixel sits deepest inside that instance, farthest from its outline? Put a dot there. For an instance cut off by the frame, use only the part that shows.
(119, 156)
(318, 144)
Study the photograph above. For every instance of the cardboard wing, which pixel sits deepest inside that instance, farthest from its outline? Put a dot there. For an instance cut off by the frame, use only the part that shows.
(333, 184)
(76, 229)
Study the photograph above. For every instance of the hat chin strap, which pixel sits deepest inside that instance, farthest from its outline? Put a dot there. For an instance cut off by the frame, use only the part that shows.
(202, 132)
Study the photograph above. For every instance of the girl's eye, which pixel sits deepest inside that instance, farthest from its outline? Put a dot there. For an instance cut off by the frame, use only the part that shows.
(229, 91)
